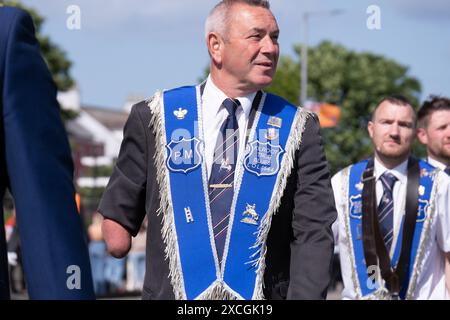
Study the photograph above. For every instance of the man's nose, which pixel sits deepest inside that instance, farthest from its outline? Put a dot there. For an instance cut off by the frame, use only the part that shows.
(447, 132)
(269, 46)
(394, 130)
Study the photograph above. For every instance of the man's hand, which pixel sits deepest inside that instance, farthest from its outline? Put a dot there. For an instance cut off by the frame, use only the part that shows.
(12, 259)
(117, 238)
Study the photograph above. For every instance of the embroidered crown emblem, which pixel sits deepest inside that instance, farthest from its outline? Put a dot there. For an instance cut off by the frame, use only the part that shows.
(180, 113)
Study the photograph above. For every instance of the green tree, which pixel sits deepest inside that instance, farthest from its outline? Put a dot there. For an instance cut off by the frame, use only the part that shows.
(353, 80)
(55, 57)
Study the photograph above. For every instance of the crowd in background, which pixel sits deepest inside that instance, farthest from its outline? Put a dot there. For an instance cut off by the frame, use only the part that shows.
(111, 276)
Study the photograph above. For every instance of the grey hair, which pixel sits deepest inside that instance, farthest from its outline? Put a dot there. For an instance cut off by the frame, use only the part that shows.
(217, 20)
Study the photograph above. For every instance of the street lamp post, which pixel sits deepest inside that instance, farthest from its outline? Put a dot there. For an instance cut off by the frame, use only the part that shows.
(304, 52)
(304, 62)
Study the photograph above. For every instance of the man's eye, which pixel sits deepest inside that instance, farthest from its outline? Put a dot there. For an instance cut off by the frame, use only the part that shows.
(406, 125)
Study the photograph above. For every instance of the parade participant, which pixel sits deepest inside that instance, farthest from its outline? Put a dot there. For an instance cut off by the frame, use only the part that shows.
(393, 215)
(234, 180)
(434, 131)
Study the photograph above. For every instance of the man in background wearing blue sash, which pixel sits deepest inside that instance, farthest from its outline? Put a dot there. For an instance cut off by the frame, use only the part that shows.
(393, 226)
(36, 166)
(434, 131)
(234, 181)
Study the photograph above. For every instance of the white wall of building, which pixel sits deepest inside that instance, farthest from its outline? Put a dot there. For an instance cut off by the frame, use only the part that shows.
(101, 134)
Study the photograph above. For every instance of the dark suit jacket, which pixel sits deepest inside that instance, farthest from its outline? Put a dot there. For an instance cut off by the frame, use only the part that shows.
(36, 166)
(300, 242)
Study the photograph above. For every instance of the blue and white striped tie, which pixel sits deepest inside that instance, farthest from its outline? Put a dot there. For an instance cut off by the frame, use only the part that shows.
(221, 181)
(386, 209)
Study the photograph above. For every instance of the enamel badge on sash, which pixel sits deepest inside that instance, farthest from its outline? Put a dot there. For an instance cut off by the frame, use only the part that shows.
(272, 134)
(359, 186)
(356, 207)
(423, 209)
(263, 158)
(275, 122)
(421, 190)
(424, 173)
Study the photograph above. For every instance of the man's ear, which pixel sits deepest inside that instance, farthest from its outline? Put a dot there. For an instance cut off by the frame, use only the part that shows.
(422, 136)
(215, 43)
(370, 129)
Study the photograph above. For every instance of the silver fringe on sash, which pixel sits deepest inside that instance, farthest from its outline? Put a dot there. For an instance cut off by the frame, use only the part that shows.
(424, 239)
(169, 234)
(345, 188)
(292, 145)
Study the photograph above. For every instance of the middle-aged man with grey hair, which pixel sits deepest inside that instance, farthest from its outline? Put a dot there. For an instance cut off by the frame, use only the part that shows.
(234, 180)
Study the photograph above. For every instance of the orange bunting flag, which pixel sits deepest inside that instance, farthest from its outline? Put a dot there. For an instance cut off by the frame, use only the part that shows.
(329, 114)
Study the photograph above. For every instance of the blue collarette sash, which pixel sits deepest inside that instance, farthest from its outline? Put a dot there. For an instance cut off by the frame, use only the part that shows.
(257, 176)
(355, 217)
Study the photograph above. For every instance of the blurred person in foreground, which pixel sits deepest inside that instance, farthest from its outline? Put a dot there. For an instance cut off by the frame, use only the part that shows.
(36, 166)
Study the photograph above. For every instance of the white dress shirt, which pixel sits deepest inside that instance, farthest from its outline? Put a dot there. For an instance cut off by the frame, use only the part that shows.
(436, 164)
(214, 115)
(431, 281)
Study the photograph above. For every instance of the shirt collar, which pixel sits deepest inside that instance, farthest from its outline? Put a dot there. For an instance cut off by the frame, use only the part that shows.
(400, 171)
(214, 96)
(436, 163)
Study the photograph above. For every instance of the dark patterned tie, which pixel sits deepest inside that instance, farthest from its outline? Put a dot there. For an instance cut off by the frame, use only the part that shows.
(386, 209)
(447, 170)
(221, 181)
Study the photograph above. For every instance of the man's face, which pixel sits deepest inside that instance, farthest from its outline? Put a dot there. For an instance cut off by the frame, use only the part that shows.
(436, 136)
(250, 49)
(392, 131)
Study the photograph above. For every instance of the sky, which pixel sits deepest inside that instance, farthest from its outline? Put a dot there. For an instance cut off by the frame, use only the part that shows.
(127, 48)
